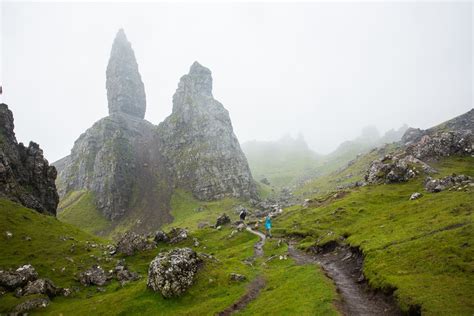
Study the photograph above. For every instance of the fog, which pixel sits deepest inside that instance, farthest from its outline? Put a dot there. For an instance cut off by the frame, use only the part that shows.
(323, 69)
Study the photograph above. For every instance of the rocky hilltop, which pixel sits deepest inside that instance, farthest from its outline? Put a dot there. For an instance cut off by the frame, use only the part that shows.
(25, 175)
(200, 145)
(131, 166)
(418, 147)
(118, 159)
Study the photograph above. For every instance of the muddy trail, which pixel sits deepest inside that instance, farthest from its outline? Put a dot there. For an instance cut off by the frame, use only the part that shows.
(344, 266)
(255, 286)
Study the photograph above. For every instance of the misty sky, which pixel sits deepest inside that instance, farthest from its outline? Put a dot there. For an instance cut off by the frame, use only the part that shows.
(323, 69)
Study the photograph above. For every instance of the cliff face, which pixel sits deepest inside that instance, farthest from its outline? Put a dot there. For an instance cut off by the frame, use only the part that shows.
(25, 176)
(199, 143)
(118, 158)
(119, 161)
(132, 166)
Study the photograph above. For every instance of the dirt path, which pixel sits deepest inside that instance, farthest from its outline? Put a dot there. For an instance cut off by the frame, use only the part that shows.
(344, 267)
(255, 286)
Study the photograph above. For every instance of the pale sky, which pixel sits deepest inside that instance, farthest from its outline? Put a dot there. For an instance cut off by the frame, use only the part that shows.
(323, 69)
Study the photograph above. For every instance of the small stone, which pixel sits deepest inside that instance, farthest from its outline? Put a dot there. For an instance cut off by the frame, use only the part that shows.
(237, 277)
(415, 196)
(93, 276)
(8, 234)
(222, 220)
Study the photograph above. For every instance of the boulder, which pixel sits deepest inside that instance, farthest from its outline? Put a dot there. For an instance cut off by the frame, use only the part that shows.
(93, 276)
(123, 275)
(396, 169)
(237, 277)
(132, 242)
(18, 278)
(41, 286)
(222, 220)
(172, 273)
(177, 235)
(32, 304)
(161, 237)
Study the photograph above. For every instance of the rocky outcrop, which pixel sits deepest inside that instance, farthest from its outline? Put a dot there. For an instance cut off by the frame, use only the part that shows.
(449, 182)
(172, 273)
(125, 89)
(132, 242)
(93, 276)
(119, 158)
(454, 137)
(443, 144)
(12, 280)
(25, 175)
(200, 145)
(131, 166)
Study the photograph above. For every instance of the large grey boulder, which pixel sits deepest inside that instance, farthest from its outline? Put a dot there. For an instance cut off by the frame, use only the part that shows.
(125, 89)
(25, 175)
(199, 142)
(172, 273)
(451, 181)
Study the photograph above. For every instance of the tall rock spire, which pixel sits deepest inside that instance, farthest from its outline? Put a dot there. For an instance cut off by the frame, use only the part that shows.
(125, 89)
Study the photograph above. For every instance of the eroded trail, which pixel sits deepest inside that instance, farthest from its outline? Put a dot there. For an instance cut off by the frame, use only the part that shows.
(255, 286)
(344, 266)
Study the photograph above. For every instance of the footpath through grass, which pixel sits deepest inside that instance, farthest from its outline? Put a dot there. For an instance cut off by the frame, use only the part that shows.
(423, 248)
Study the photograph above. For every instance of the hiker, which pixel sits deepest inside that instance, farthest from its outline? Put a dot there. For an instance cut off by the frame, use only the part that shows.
(268, 226)
(243, 214)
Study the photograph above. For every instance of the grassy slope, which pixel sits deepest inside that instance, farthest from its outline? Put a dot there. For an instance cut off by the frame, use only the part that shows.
(211, 293)
(424, 248)
(78, 209)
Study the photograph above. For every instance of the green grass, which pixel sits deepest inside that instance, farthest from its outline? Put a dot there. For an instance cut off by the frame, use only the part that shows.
(78, 209)
(48, 250)
(423, 248)
(292, 289)
(187, 211)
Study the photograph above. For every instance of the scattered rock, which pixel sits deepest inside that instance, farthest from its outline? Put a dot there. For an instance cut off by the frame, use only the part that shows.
(177, 235)
(237, 277)
(172, 273)
(41, 286)
(132, 242)
(222, 220)
(265, 181)
(124, 275)
(8, 235)
(93, 276)
(195, 242)
(415, 196)
(18, 278)
(454, 182)
(31, 304)
(161, 237)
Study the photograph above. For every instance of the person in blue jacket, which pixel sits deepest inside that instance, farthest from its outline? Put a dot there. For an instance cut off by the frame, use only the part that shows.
(268, 226)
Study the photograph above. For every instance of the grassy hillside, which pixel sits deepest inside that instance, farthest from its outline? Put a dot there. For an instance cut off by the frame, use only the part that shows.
(212, 292)
(422, 248)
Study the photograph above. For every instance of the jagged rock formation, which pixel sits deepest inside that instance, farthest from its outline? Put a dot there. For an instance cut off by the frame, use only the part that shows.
(118, 159)
(200, 145)
(25, 175)
(125, 89)
(131, 166)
